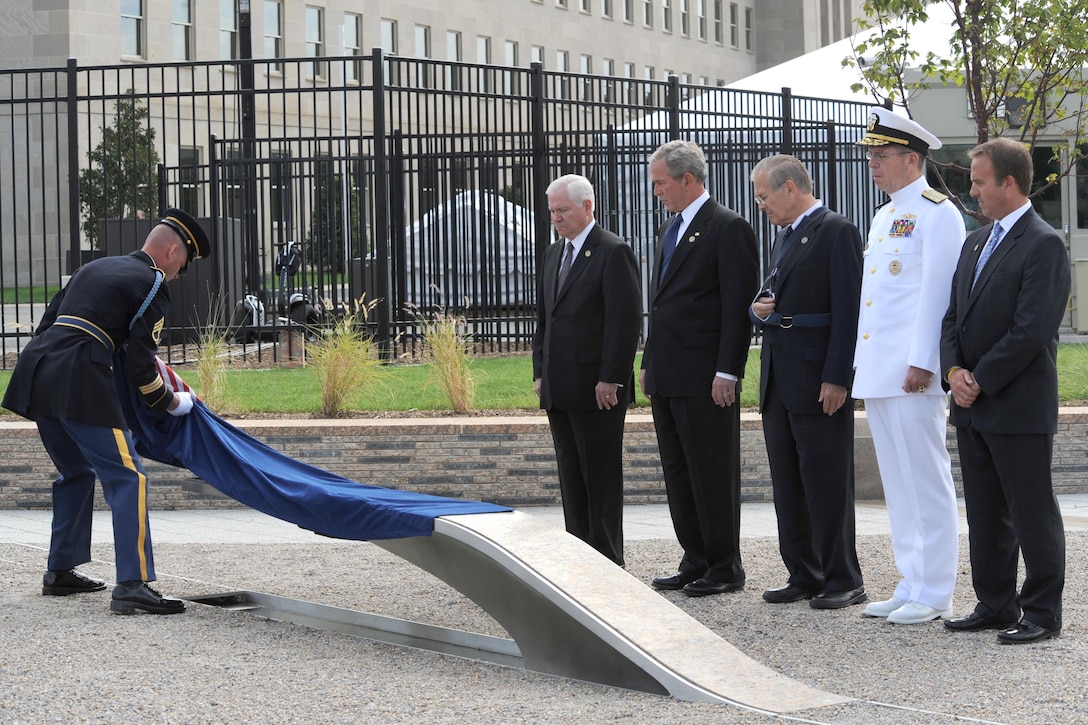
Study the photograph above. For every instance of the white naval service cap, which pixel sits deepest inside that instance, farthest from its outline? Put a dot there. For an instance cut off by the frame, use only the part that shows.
(889, 128)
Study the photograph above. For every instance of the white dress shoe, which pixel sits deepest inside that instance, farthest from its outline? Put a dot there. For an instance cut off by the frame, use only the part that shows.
(916, 613)
(883, 609)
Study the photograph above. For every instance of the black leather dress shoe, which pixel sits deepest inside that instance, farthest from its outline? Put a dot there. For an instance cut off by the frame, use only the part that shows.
(130, 596)
(705, 587)
(1024, 631)
(790, 593)
(975, 622)
(677, 581)
(838, 600)
(63, 583)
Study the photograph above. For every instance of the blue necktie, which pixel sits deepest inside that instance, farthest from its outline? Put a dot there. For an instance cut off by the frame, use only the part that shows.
(670, 242)
(991, 245)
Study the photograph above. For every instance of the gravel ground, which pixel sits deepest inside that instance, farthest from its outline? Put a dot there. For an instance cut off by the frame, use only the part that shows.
(67, 659)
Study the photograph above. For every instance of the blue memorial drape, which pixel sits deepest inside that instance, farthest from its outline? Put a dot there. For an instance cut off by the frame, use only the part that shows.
(250, 472)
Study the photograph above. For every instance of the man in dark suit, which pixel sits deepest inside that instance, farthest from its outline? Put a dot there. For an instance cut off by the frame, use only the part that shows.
(589, 316)
(64, 381)
(808, 312)
(705, 274)
(999, 346)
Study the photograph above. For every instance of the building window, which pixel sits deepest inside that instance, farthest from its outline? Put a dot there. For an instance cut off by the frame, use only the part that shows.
(181, 30)
(279, 203)
(512, 81)
(453, 53)
(424, 71)
(132, 28)
(353, 46)
(629, 87)
(423, 41)
(190, 196)
(228, 30)
(719, 36)
(536, 55)
(608, 70)
(700, 9)
(561, 4)
(315, 40)
(606, 9)
(389, 47)
(734, 36)
(749, 32)
(685, 18)
(587, 83)
(483, 57)
(666, 15)
(587, 6)
(273, 33)
(648, 13)
(628, 11)
(562, 64)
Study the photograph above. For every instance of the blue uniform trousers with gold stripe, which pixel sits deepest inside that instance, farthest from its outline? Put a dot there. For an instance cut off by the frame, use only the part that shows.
(81, 451)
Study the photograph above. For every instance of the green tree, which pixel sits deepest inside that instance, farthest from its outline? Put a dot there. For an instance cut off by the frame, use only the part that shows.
(120, 178)
(1020, 63)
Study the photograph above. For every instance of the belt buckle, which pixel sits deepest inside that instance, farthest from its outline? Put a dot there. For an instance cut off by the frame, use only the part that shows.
(786, 322)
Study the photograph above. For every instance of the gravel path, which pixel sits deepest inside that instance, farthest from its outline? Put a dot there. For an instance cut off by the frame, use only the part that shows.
(67, 659)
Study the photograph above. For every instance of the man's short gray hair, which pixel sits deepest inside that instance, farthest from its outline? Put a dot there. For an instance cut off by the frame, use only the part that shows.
(781, 168)
(577, 186)
(681, 157)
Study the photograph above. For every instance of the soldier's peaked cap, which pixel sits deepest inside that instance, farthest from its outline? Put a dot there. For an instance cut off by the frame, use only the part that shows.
(191, 232)
(887, 128)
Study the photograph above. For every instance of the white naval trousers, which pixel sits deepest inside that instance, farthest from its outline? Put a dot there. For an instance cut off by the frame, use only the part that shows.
(916, 471)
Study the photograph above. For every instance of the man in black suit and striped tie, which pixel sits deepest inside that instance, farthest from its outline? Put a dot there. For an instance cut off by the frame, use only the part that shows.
(705, 275)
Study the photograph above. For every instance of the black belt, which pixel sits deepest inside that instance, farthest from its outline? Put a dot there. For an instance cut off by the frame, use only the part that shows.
(820, 319)
(87, 326)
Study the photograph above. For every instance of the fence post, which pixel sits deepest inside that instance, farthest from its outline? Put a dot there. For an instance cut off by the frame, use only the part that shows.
(383, 306)
(833, 164)
(787, 121)
(672, 102)
(540, 162)
(73, 165)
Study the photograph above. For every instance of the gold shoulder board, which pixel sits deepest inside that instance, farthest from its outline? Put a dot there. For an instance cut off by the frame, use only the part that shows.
(935, 196)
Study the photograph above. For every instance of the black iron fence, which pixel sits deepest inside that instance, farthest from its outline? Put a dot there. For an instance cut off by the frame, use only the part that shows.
(415, 185)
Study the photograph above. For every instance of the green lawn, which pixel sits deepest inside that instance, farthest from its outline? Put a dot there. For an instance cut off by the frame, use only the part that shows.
(502, 383)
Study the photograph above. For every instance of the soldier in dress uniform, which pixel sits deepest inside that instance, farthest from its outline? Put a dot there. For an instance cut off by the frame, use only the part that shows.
(910, 256)
(64, 382)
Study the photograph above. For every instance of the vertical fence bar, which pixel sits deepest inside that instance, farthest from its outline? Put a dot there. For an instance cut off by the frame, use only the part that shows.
(72, 89)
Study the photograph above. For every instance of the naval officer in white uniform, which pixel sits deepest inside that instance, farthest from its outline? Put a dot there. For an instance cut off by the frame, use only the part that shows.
(910, 256)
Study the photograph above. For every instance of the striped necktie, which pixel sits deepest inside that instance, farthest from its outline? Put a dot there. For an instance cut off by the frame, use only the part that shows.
(988, 250)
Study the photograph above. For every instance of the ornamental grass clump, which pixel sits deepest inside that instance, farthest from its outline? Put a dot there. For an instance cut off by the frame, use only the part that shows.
(446, 346)
(212, 358)
(345, 358)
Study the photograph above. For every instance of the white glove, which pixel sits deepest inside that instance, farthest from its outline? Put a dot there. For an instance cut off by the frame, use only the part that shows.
(185, 404)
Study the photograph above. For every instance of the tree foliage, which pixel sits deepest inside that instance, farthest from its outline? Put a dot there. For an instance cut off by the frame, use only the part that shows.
(120, 178)
(1021, 64)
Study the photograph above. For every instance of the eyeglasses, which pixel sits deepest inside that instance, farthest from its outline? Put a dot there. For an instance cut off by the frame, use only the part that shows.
(880, 157)
(762, 200)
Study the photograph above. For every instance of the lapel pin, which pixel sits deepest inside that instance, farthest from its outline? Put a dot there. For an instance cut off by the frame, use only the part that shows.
(976, 248)
(804, 240)
(588, 253)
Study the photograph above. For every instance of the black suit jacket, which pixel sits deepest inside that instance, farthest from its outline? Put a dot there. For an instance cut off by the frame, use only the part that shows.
(1005, 330)
(820, 274)
(589, 332)
(699, 322)
(64, 372)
